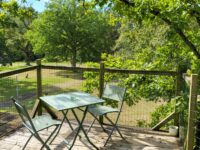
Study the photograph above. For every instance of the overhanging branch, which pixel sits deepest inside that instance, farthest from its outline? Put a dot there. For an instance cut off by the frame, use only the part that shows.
(156, 12)
(179, 32)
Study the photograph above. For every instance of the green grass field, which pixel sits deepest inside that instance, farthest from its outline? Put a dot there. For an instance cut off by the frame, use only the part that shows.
(55, 81)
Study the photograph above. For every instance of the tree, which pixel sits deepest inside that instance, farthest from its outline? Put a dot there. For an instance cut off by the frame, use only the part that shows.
(153, 46)
(70, 31)
(178, 15)
(14, 21)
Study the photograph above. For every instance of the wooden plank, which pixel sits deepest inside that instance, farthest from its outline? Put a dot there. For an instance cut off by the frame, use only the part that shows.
(164, 121)
(192, 110)
(35, 108)
(101, 79)
(179, 81)
(38, 105)
(145, 72)
(17, 71)
(101, 85)
(125, 71)
(187, 78)
(39, 85)
(69, 68)
(134, 141)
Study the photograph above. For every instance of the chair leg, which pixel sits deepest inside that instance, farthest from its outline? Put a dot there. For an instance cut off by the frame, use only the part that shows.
(51, 136)
(43, 143)
(91, 125)
(27, 142)
(99, 123)
(102, 126)
(115, 126)
(56, 133)
(109, 136)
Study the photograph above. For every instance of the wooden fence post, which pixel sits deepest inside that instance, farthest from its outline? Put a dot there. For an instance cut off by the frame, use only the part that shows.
(38, 106)
(101, 79)
(191, 111)
(39, 84)
(101, 85)
(39, 78)
(178, 93)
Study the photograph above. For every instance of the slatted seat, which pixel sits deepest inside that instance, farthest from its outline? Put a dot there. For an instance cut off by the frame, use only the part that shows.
(41, 122)
(110, 93)
(101, 110)
(36, 124)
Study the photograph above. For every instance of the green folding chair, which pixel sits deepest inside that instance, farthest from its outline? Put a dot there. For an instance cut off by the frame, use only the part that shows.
(110, 93)
(36, 124)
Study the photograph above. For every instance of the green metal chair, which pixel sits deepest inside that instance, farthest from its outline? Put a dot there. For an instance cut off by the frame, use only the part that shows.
(36, 124)
(110, 93)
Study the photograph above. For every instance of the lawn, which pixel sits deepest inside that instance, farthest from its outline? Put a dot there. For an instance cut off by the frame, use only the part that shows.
(55, 81)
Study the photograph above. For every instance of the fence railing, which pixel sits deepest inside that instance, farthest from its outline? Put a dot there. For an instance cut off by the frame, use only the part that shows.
(193, 128)
(102, 70)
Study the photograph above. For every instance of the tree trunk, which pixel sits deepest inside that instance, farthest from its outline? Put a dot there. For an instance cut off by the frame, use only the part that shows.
(73, 57)
(27, 53)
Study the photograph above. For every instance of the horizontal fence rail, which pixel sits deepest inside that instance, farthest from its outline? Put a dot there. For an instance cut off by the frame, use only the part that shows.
(125, 71)
(17, 71)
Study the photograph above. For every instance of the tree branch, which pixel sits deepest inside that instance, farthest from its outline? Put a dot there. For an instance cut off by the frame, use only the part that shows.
(179, 32)
(156, 12)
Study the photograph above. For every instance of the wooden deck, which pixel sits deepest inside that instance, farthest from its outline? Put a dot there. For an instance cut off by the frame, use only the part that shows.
(135, 140)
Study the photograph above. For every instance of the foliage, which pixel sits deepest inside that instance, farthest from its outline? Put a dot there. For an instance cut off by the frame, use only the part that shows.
(182, 17)
(151, 46)
(138, 86)
(14, 22)
(180, 103)
(68, 30)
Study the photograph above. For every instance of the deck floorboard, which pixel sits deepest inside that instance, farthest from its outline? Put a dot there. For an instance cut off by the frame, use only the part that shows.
(135, 140)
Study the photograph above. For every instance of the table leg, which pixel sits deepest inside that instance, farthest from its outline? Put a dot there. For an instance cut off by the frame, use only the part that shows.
(64, 118)
(80, 123)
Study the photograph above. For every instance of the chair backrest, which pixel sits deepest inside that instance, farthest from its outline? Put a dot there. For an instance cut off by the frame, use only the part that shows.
(24, 115)
(114, 92)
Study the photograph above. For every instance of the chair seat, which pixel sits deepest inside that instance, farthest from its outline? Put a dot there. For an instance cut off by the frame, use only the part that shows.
(99, 110)
(44, 121)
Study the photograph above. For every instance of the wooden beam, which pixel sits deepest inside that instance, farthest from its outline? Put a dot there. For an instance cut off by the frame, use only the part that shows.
(13, 72)
(164, 121)
(192, 110)
(124, 71)
(187, 78)
(35, 108)
(101, 85)
(39, 86)
(38, 105)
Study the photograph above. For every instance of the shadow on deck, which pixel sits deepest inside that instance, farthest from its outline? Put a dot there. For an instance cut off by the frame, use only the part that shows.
(135, 140)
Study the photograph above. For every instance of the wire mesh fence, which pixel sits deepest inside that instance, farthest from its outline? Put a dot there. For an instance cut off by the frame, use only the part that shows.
(21, 86)
(136, 112)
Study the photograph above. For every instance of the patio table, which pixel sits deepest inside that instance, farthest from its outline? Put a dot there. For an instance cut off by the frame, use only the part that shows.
(70, 101)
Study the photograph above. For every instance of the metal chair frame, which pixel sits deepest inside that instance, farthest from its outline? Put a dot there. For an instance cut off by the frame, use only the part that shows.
(31, 127)
(110, 98)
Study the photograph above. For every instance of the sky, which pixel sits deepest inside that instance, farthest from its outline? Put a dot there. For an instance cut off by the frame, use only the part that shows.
(38, 5)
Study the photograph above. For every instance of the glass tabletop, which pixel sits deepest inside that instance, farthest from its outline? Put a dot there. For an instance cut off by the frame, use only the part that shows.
(70, 100)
